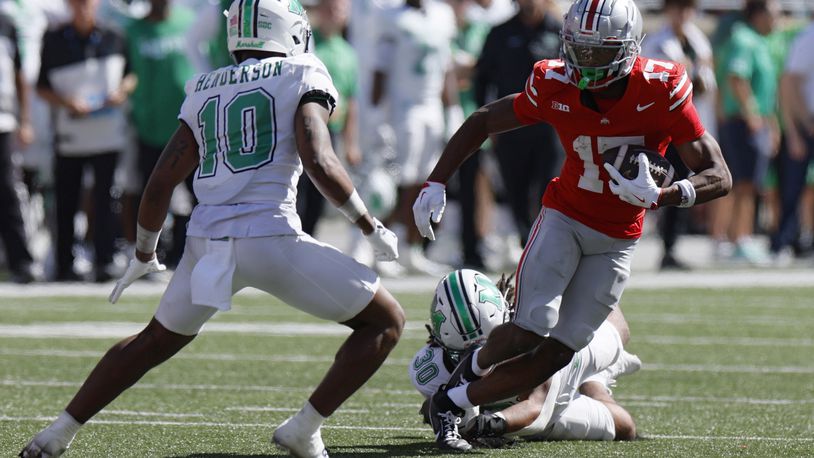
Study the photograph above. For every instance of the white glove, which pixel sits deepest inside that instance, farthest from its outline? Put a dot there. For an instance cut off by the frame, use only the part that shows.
(384, 242)
(641, 192)
(429, 206)
(135, 270)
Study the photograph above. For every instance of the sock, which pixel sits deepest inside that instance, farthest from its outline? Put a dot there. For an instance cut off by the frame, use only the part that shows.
(65, 426)
(459, 397)
(476, 368)
(308, 417)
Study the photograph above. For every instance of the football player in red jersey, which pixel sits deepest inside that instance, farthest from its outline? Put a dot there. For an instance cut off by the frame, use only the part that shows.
(600, 94)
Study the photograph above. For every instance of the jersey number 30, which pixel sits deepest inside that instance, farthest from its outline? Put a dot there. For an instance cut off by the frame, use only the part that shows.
(243, 132)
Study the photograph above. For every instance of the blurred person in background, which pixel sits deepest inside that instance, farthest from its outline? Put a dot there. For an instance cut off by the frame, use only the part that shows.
(474, 193)
(797, 111)
(331, 18)
(85, 77)
(158, 48)
(372, 175)
(749, 131)
(414, 76)
(680, 40)
(529, 157)
(15, 125)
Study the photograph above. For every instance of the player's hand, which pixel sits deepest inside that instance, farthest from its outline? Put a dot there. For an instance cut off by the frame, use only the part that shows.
(384, 242)
(642, 191)
(429, 207)
(135, 270)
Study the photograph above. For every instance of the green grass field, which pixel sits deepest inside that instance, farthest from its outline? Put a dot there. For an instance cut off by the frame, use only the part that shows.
(726, 373)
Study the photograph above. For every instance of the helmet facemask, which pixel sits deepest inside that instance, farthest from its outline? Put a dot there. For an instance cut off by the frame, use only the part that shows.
(594, 66)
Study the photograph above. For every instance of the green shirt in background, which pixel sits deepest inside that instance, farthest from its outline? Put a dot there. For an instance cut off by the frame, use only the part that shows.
(747, 55)
(340, 60)
(470, 40)
(157, 52)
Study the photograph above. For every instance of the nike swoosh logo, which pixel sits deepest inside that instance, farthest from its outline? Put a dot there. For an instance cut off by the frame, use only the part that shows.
(644, 107)
(638, 198)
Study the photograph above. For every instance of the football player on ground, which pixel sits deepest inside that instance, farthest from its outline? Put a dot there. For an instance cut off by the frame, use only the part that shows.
(247, 131)
(575, 404)
(575, 265)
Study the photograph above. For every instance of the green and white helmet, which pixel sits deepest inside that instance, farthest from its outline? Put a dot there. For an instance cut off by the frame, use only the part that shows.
(268, 25)
(466, 307)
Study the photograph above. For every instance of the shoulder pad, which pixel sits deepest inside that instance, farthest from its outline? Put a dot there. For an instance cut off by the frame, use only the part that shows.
(547, 77)
(670, 78)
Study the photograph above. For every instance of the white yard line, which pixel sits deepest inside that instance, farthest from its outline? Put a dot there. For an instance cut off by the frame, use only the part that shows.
(311, 359)
(114, 329)
(409, 393)
(202, 387)
(424, 430)
(712, 279)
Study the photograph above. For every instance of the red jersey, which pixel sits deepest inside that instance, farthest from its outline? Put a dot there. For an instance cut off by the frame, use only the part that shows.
(655, 110)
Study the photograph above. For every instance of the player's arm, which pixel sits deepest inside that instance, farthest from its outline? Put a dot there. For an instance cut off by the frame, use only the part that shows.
(523, 414)
(177, 161)
(711, 180)
(493, 118)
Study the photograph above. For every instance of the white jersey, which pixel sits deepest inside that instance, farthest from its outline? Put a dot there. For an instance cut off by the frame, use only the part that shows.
(415, 52)
(242, 117)
(566, 414)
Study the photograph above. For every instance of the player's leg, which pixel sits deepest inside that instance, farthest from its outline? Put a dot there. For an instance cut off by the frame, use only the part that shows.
(175, 324)
(624, 428)
(550, 259)
(320, 280)
(376, 330)
(510, 339)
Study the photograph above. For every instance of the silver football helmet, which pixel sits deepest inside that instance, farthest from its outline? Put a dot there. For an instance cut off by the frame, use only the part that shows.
(268, 25)
(600, 41)
(466, 307)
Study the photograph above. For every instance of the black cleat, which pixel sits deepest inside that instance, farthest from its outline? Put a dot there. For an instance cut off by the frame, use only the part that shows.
(445, 426)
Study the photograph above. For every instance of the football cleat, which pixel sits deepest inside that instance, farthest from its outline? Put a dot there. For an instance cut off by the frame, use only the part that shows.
(46, 444)
(626, 364)
(445, 426)
(291, 438)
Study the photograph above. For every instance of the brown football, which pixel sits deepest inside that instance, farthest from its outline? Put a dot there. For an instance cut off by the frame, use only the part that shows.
(625, 159)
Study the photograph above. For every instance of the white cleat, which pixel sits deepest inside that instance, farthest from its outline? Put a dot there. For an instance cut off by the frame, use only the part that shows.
(291, 438)
(627, 364)
(46, 444)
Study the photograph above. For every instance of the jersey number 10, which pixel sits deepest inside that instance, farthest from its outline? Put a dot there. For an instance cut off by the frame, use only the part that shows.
(244, 132)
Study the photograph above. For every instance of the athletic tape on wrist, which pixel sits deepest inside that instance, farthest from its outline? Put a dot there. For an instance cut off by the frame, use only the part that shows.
(354, 208)
(688, 193)
(146, 241)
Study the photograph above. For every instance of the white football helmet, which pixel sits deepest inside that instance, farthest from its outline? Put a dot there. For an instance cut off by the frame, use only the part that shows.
(268, 25)
(600, 41)
(379, 193)
(466, 307)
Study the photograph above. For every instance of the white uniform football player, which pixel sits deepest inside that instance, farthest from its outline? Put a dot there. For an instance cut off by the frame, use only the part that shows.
(247, 131)
(414, 80)
(575, 404)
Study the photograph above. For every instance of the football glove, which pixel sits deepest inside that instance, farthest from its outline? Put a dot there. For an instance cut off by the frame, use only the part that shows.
(429, 208)
(641, 191)
(384, 242)
(135, 270)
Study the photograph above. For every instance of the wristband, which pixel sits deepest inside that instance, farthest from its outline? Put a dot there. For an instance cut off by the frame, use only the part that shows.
(687, 193)
(146, 241)
(354, 208)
